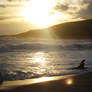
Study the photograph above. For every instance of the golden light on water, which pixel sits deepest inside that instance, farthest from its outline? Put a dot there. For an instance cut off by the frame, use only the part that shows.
(39, 57)
(43, 79)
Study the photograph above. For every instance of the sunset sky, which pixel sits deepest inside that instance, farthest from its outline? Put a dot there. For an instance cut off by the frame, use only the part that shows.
(18, 16)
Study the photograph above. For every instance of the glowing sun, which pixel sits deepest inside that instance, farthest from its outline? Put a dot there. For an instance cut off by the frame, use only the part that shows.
(41, 12)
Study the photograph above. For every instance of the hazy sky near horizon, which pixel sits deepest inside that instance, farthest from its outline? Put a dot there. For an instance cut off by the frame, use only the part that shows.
(18, 16)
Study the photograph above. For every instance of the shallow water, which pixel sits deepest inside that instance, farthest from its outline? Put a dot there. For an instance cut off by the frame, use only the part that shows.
(24, 59)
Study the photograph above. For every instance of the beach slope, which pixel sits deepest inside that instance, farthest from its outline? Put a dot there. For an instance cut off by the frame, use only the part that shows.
(77, 83)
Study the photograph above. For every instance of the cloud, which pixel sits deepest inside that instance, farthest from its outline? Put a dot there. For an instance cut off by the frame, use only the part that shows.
(76, 8)
(3, 6)
(17, 0)
(62, 7)
(13, 5)
(10, 17)
(86, 12)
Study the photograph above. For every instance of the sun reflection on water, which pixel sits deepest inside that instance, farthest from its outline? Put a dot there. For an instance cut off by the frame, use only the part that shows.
(39, 57)
(43, 79)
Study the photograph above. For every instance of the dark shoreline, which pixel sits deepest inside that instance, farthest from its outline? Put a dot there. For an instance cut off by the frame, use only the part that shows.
(80, 83)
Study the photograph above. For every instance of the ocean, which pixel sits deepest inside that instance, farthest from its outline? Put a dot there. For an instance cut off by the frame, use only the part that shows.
(31, 58)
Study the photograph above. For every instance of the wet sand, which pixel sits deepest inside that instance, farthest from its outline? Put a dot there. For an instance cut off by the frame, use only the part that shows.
(77, 83)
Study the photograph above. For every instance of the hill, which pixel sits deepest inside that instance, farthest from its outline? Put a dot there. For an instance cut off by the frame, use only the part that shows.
(72, 30)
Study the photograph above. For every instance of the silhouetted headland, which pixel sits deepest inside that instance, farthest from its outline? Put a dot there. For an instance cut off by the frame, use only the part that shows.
(72, 30)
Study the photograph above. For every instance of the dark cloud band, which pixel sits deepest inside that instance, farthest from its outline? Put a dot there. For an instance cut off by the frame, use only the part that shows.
(76, 8)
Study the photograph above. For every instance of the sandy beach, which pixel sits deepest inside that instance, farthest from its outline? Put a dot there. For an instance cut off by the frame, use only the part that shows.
(77, 83)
